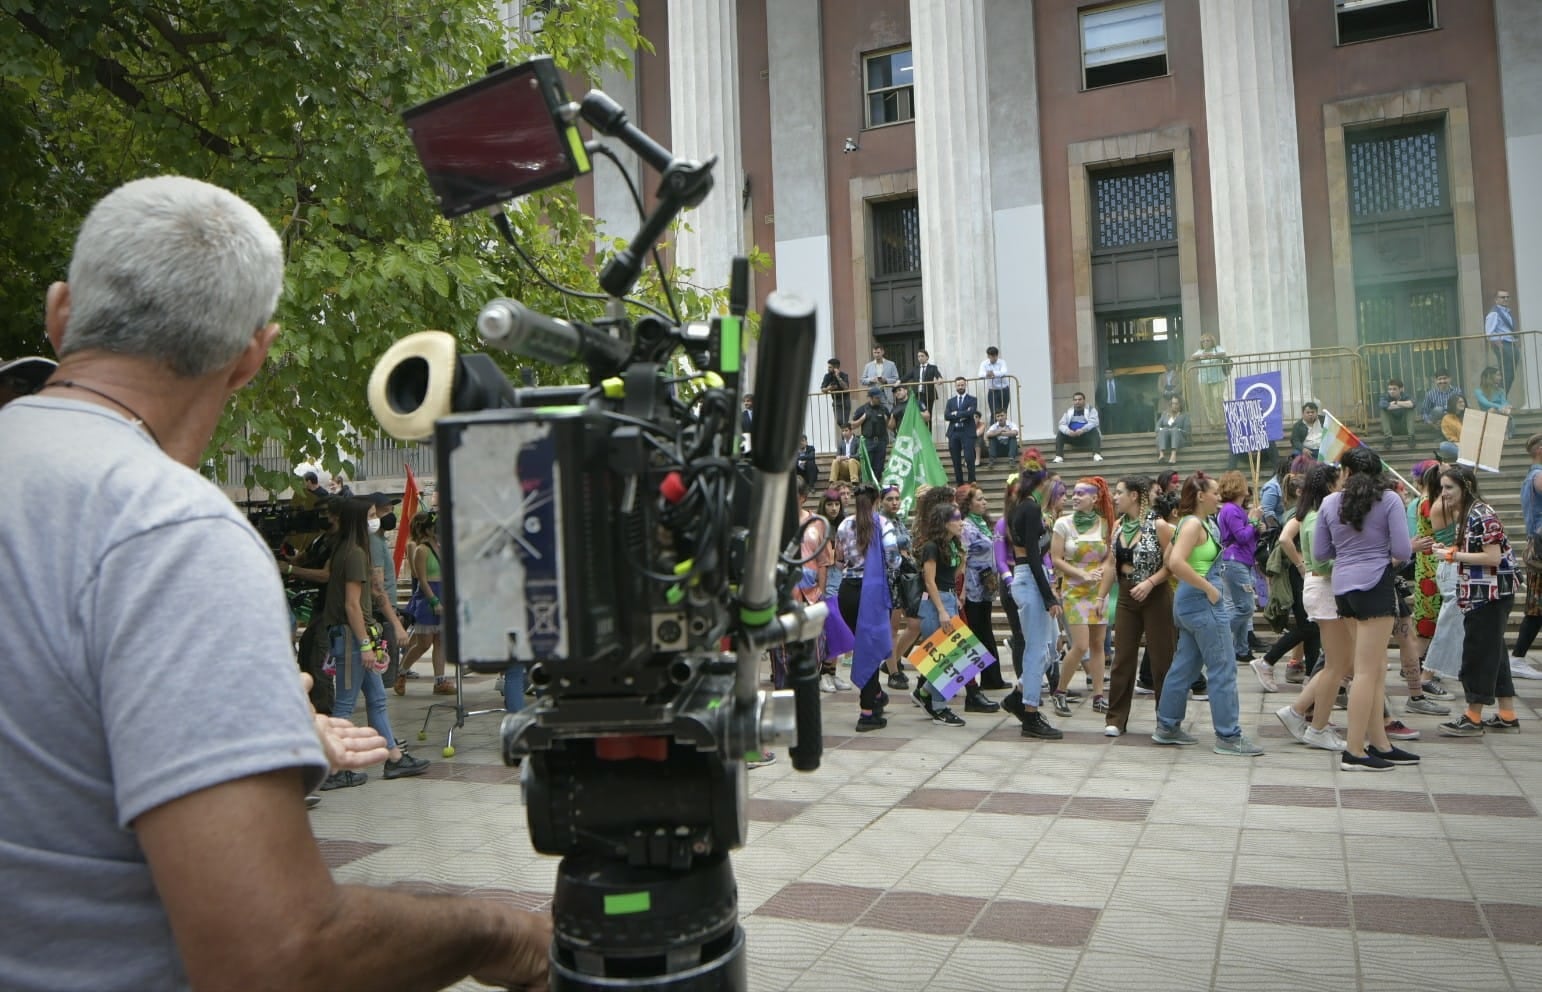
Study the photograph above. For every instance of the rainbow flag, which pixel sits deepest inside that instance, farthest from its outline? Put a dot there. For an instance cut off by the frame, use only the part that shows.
(1336, 440)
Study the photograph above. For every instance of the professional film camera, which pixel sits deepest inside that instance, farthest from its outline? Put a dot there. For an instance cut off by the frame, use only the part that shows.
(611, 537)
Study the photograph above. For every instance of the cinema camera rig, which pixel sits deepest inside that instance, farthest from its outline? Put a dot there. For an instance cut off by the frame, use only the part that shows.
(611, 537)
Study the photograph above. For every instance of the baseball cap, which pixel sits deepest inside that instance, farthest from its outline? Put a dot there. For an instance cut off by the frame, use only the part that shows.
(874, 391)
(382, 500)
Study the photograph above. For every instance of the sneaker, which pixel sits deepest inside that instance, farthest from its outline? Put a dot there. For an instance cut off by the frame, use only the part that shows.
(1056, 460)
(1521, 668)
(498, 684)
(947, 718)
(1435, 690)
(841, 685)
(1254, 644)
(1295, 723)
(1097, 458)
(1265, 673)
(870, 721)
(761, 760)
(1013, 703)
(1034, 725)
(1099, 704)
(1142, 689)
(1175, 736)
(1244, 657)
(920, 697)
(1497, 724)
(1295, 673)
(1200, 695)
(405, 767)
(1368, 763)
(827, 683)
(1462, 726)
(1425, 705)
(1240, 745)
(1112, 731)
(979, 702)
(400, 688)
(344, 780)
(1394, 754)
(899, 680)
(312, 801)
(444, 687)
(1323, 740)
(1061, 703)
(1397, 730)
(411, 675)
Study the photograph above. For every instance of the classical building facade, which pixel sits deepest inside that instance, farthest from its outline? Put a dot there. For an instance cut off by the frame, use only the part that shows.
(1095, 185)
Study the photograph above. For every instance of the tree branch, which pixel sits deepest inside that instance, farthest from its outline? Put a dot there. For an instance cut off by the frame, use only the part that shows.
(180, 43)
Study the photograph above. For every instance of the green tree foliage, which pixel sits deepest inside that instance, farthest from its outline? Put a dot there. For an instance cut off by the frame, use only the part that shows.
(295, 106)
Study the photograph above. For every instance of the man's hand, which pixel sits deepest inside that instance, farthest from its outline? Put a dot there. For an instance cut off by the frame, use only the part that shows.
(348, 747)
(523, 963)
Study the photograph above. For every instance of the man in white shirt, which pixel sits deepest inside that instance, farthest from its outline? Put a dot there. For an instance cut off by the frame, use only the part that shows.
(1499, 327)
(882, 373)
(998, 388)
(1000, 439)
(1079, 428)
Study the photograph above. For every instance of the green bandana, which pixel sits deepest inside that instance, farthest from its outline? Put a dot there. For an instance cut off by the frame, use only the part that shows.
(1084, 519)
(1128, 528)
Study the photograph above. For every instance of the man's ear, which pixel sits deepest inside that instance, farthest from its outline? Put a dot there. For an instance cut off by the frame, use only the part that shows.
(56, 313)
(251, 357)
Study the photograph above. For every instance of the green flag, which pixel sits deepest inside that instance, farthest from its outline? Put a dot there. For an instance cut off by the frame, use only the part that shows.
(913, 463)
(867, 466)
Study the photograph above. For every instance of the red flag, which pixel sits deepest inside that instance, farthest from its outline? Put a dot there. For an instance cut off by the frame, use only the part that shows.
(404, 528)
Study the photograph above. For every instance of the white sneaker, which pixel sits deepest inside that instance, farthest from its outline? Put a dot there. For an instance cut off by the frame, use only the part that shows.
(1112, 731)
(1294, 723)
(840, 683)
(827, 683)
(1324, 739)
(1057, 460)
(1521, 668)
(1097, 458)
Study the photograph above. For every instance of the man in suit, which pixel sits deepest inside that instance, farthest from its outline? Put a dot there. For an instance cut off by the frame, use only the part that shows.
(963, 415)
(747, 418)
(847, 465)
(808, 467)
(928, 375)
(1108, 404)
(882, 373)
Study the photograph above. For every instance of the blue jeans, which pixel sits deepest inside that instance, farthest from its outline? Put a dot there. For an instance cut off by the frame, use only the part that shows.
(351, 674)
(1204, 641)
(930, 621)
(1033, 617)
(1236, 587)
(514, 688)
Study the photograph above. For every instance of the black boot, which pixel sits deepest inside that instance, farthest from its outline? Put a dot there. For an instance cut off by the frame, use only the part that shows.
(976, 701)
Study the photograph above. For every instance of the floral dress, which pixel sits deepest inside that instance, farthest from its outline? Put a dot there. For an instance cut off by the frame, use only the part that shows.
(1079, 597)
(1426, 594)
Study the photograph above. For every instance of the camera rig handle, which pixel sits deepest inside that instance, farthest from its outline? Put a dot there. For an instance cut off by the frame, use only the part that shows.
(683, 184)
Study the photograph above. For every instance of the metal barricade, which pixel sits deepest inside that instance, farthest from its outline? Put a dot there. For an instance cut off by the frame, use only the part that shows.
(1516, 369)
(824, 410)
(1330, 377)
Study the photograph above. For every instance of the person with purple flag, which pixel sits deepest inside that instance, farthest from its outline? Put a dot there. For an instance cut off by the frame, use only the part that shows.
(869, 546)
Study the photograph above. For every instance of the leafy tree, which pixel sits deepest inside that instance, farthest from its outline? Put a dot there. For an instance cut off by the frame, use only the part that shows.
(295, 106)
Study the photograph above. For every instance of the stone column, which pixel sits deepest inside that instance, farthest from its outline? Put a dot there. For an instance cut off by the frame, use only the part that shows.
(1255, 176)
(798, 174)
(953, 176)
(704, 121)
(1017, 196)
(1519, 27)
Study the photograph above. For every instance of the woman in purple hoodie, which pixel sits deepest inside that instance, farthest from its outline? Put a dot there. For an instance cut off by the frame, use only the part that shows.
(1239, 540)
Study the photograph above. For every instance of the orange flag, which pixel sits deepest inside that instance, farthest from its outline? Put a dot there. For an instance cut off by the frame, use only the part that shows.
(409, 510)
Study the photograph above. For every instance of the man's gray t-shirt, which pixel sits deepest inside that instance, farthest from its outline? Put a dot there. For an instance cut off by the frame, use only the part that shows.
(147, 654)
(380, 557)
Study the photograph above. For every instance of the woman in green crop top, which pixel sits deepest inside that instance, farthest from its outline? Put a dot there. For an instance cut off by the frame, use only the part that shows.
(1204, 629)
(424, 606)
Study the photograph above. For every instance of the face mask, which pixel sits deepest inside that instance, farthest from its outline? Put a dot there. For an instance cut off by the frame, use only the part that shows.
(374, 525)
(388, 522)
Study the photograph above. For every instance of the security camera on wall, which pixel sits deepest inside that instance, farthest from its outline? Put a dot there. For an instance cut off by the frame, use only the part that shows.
(851, 146)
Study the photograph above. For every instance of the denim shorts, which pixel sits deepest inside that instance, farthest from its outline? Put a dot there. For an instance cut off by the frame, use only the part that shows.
(1378, 601)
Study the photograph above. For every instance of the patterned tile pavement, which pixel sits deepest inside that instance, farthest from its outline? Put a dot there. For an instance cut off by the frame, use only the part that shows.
(927, 857)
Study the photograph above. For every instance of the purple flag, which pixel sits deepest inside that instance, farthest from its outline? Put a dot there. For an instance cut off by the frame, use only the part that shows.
(874, 638)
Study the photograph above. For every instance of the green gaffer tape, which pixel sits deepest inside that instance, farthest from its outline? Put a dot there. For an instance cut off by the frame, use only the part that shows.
(758, 618)
(628, 902)
(733, 344)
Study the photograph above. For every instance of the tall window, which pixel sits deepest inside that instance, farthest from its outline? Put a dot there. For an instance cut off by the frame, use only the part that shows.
(1124, 43)
(891, 92)
(897, 237)
(1134, 206)
(1367, 20)
(1397, 171)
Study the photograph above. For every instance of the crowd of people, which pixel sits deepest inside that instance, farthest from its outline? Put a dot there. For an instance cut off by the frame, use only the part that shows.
(1161, 577)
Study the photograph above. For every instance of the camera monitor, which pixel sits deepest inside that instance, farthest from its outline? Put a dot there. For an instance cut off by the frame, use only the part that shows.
(498, 138)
